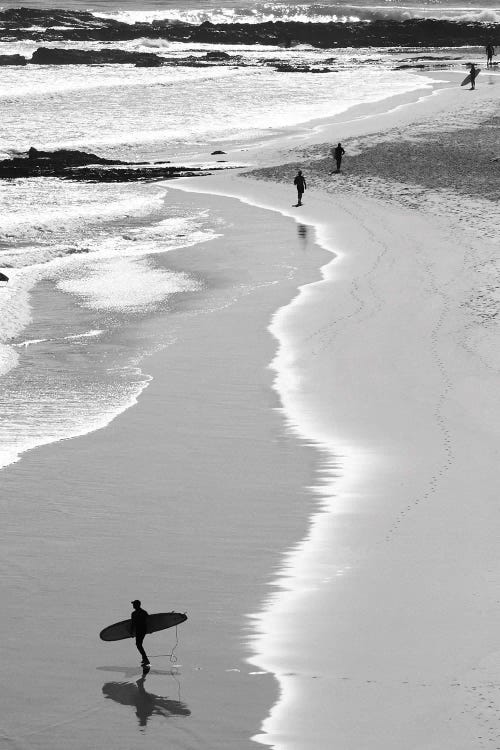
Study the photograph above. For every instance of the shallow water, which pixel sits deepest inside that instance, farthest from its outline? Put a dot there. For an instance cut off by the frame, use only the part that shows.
(96, 243)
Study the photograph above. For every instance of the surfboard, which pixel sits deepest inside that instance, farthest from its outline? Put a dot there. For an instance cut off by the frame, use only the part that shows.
(161, 621)
(467, 78)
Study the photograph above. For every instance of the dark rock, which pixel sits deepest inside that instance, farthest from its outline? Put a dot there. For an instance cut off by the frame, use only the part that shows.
(408, 66)
(156, 62)
(58, 56)
(70, 158)
(84, 167)
(215, 55)
(3, 277)
(49, 163)
(70, 25)
(217, 152)
(129, 173)
(12, 60)
(286, 68)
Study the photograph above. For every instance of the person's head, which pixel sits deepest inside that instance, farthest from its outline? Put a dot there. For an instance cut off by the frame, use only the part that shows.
(339, 143)
(299, 172)
(136, 604)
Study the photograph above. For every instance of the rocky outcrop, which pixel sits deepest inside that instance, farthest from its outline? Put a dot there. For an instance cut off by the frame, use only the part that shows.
(48, 163)
(286, 68)
(12, 60)
(58, 24)
(217, 56)
(55, 25)
(82, 166)
(57, 56)
(130, 173)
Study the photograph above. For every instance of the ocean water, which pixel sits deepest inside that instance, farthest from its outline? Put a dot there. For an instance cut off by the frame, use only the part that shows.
(81, 257)
(243, 11)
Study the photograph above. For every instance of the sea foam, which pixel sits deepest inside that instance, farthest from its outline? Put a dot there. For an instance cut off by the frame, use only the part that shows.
(307, 13)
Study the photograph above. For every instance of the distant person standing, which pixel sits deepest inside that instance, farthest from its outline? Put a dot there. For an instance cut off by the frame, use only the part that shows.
(490, 51)
(473, 76)
(139, 619)
(337, 153)
(300, 184)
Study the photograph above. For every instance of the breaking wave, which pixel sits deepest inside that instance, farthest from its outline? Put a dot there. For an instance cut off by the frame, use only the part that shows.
(314, 13)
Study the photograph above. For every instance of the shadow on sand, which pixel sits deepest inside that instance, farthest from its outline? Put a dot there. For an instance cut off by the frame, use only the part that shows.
(146, 704)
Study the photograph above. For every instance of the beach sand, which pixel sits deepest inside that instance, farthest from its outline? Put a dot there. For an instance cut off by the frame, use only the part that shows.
(351, 509)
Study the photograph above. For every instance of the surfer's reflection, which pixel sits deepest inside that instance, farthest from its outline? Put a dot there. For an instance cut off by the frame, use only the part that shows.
(146, 704)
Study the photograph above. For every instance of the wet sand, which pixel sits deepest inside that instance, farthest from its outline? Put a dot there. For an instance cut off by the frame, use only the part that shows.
(186, 501)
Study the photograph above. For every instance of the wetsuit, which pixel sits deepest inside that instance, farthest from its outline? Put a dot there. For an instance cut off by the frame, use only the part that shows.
(338, 154)
(300, 183)
(139, 619)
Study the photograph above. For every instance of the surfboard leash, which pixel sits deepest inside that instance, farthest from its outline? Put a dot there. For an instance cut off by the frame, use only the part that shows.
(173, 657)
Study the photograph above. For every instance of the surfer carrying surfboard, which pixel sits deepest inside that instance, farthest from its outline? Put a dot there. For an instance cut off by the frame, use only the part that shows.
(139, 620)
(473, 74)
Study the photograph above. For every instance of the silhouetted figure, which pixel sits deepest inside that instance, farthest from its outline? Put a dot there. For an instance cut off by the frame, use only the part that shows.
(338, 152)
(490, 51)
(473, 76)
(139, 619)
(300, 183)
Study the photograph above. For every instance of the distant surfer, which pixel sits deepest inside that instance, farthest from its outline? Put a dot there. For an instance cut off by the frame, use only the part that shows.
(139, 619)
(337, 153)
(300, 183)
(490, 51)
(473, 76)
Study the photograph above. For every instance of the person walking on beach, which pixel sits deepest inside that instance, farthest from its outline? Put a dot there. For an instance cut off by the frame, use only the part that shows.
(490, 51)
(337, 153)
(139, 619)
(473, 76)
(300, 183)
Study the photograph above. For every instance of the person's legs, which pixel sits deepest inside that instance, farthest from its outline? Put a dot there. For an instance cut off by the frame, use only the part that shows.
(300, 193)
(339, 162)
(138, 642)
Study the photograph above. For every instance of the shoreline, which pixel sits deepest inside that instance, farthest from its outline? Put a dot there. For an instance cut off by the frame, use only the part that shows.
(382, 443)
(380, 506)
(183, 500)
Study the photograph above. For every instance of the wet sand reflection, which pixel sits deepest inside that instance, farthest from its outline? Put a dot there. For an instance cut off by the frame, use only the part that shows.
(146, 704)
